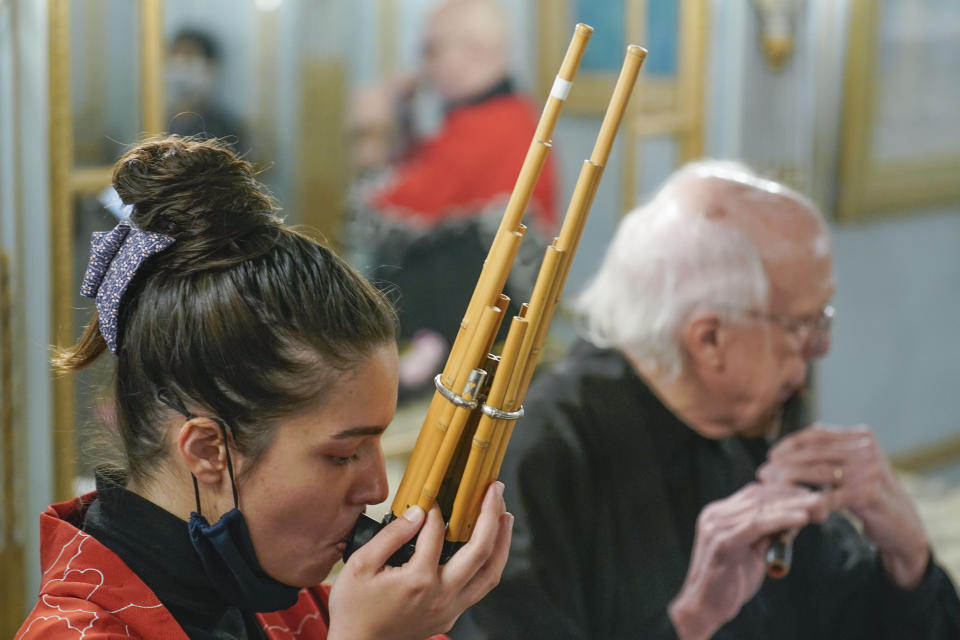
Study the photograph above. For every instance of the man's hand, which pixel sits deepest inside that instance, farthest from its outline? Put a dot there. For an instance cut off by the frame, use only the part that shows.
(727, 565)
(855, 475)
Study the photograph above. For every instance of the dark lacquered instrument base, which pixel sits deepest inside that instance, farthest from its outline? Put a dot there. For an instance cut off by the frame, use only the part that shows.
(366, 528)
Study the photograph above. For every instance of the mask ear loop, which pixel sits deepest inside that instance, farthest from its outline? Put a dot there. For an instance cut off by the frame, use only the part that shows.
(196, 493)
(226, 446)
(177, 405)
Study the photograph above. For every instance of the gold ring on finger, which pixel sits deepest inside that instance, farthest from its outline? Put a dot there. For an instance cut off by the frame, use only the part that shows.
(838, 474)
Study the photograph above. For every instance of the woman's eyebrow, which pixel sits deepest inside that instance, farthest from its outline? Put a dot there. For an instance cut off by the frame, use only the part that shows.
(359, 432)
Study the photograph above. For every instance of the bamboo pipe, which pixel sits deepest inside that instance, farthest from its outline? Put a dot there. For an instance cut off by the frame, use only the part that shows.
(587, 182)
(459, 527)
(493, 276)
(487, 453)
(474, 340)
(443, 433)
(440, 411)
(583, 195)
(463, 357)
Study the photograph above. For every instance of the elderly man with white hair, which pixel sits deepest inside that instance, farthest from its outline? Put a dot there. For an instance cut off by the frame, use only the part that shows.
(644, 488)
(428, 225)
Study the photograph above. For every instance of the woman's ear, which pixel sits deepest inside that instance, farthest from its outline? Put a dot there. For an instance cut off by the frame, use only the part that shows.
(203, 449)
(705, 341)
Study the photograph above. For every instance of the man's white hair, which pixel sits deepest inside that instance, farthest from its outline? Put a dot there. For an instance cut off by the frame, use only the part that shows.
(679, 255)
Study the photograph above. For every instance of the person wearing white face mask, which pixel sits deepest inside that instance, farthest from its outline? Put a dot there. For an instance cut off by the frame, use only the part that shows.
(192, 71)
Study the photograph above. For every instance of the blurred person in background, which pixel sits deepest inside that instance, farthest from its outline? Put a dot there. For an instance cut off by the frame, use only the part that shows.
(642, 476)
(428, 224)
(255, 375)
(192, 72)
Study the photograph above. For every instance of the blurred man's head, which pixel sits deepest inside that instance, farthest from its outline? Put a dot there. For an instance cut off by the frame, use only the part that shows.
(191, 68)
(717, 291)
(369, 121)
(466, 48)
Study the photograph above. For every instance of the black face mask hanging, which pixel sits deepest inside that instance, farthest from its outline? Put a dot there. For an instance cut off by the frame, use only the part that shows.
(227, 554)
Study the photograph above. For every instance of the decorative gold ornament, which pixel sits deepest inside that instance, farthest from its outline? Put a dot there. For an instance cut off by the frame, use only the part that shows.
(778, 24)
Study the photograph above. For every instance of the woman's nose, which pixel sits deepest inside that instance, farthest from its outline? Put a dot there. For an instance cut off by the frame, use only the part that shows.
(372, 486)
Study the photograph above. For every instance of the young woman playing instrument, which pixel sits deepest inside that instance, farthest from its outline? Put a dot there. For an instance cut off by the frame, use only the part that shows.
(255, 374)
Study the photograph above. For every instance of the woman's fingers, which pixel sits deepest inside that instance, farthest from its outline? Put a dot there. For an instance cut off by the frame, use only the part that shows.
(422, 595)
(430, 542)
(471, 557)
(489, 575)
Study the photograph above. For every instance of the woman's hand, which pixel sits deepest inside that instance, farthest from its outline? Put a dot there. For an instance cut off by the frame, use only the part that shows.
(421, 598)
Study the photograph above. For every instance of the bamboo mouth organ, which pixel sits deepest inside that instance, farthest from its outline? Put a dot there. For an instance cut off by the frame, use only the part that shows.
(479, 396)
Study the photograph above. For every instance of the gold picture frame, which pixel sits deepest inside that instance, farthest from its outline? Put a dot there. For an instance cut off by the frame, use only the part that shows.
(67, 181)
(873, 180)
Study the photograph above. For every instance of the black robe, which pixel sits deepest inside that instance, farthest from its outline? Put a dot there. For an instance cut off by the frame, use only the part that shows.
(606, 485)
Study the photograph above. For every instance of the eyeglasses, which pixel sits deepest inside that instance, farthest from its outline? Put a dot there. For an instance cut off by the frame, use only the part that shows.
(815, 325)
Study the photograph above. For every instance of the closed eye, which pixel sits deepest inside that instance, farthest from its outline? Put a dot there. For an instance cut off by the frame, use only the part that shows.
(343, 460)
(365, 444)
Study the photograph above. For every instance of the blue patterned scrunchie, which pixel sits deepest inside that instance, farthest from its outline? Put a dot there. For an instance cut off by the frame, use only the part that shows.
(115, 257)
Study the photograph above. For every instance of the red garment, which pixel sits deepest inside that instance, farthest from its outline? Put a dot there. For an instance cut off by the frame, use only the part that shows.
(471, 163)
(88, 592)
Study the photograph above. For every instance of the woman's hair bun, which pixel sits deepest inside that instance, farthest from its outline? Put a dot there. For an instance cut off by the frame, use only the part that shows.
(198, 191)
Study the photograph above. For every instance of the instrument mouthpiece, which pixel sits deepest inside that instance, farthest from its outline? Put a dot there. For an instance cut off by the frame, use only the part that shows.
(637, 50)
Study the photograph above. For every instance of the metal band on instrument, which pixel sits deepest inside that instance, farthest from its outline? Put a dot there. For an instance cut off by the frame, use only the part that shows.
(500, 414)
(458, 400)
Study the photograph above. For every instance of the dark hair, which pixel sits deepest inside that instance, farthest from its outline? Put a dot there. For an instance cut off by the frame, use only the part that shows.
(207, 45)
(242, 317)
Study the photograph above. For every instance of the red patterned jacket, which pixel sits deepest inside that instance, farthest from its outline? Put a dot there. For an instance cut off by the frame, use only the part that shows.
(88, 592)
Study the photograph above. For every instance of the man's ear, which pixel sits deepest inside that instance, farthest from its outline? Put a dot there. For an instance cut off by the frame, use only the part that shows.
(704, 339)
(202, 447)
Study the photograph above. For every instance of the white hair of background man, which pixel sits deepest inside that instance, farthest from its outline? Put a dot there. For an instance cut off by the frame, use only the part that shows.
(678, 256)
